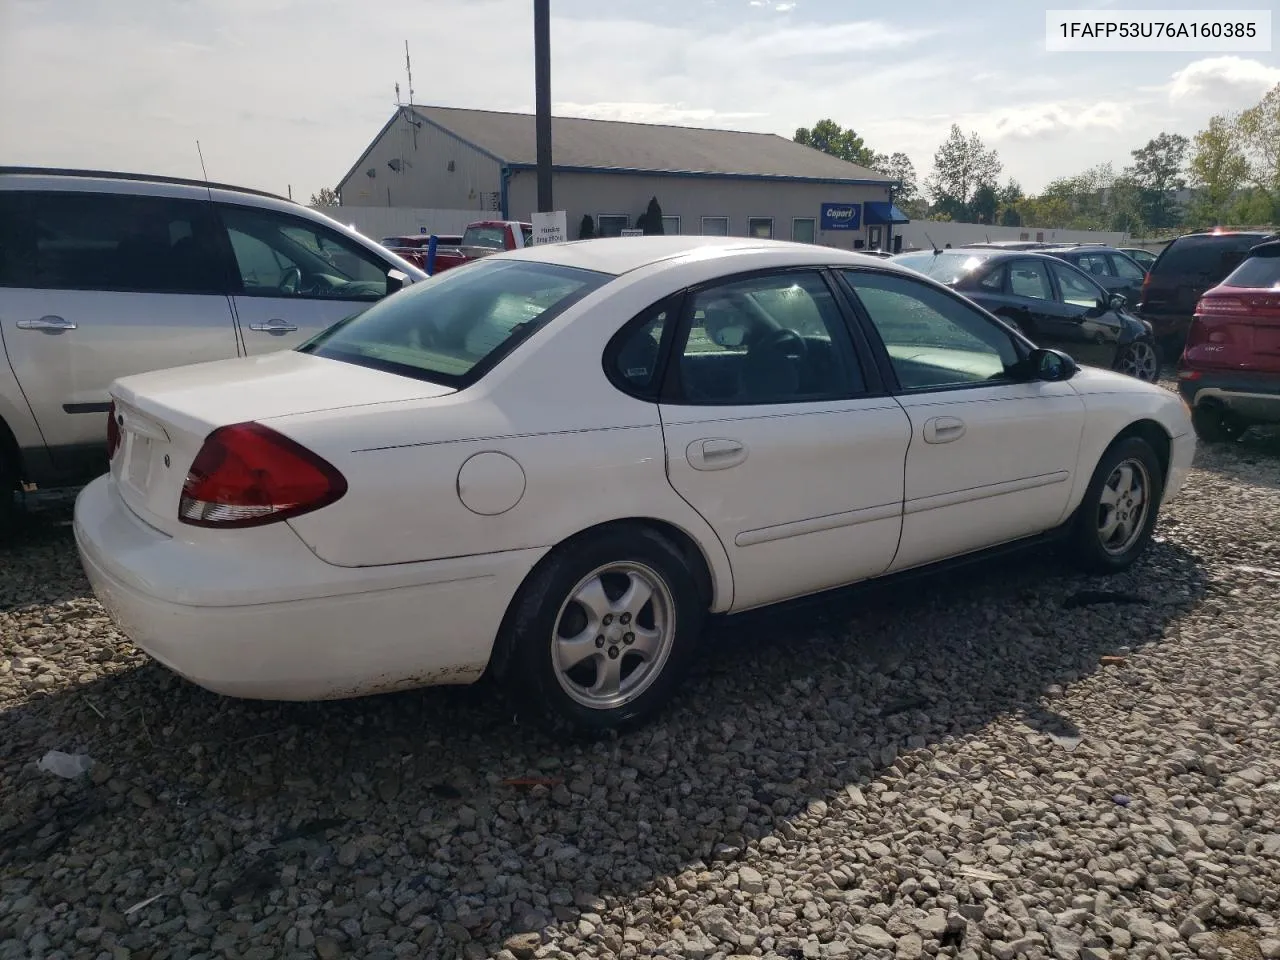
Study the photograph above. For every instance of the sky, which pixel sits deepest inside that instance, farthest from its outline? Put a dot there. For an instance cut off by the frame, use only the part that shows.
(286, 94)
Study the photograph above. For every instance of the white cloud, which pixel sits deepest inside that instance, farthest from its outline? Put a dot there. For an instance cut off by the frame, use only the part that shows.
(1048, 120)
(784, 7)
(1228, 81)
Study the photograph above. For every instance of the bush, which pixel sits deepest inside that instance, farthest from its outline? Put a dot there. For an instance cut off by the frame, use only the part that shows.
(587, 228)
(651, 220)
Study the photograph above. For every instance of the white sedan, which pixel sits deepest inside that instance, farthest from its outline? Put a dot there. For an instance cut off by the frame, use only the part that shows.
(553, 464)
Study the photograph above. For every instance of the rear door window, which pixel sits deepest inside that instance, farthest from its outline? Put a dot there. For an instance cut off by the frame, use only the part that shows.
(74, 240)
(1209, 256)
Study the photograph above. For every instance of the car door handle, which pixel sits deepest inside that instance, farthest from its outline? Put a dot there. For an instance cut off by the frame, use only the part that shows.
(943, 429)
(49, 324)
(715, 454)
(274, 326)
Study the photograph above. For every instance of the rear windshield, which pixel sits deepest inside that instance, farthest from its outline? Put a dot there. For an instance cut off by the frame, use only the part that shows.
(453, 327)
(943, 267)
(1260, 272)
(491, 238)
(1211, 256)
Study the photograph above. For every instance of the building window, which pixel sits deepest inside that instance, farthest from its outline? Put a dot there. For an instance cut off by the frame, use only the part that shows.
(761, 228)
(804, 230)
(715, 226)
(671, 226)
(612, 224)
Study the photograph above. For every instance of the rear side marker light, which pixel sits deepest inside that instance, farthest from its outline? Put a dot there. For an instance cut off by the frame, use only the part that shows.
(248, 475)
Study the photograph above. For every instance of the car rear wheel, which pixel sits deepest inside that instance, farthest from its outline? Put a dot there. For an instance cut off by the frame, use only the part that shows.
(601, 634)
(1214, 425)
(1118, 513)
(1141, 360)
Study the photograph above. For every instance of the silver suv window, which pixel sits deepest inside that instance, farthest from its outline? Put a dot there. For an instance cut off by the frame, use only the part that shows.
(74, 240)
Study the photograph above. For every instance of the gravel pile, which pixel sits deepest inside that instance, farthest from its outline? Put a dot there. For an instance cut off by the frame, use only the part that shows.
(1012, 762)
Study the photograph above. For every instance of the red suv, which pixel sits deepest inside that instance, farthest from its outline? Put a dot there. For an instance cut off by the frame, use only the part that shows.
(1230, 370)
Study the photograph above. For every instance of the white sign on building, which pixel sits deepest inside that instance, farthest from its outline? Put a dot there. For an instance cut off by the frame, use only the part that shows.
(550, 227)
(633, 233)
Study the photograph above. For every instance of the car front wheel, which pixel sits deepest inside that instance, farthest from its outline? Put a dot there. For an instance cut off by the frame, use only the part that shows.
(1116, 517)
(601, 634)
(1141, 360)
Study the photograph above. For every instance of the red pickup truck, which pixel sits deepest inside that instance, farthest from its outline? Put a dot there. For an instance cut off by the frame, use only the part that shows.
(414, 246)
(483, 237)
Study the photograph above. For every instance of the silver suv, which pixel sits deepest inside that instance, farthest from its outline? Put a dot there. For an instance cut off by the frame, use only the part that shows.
(107, 274)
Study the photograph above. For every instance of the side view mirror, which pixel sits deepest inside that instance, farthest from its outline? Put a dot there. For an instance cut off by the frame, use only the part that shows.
(1050, 366)
(396, 280)
(1117, 300)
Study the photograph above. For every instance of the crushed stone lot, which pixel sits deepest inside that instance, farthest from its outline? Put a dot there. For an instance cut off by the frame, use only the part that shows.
(1013, 761)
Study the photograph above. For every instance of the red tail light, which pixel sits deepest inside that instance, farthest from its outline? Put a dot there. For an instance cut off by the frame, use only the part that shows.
(1221, 307)
(113, 431)
(247, 475)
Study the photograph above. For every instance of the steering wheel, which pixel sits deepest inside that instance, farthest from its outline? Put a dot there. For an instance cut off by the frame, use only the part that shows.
(290, 281)
(787, 342)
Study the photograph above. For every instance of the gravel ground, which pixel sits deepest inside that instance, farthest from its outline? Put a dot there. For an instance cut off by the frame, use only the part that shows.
(1003, 763)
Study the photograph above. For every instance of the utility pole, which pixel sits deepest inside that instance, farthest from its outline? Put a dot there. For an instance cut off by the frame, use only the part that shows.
(542, 85)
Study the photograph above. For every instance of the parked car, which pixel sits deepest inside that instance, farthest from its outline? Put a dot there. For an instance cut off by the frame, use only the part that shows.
(1050, 301)
(1113, 270)
(1230, 371)
(413, 247)
(1185, 269)
(106, 274)
(1143, 258)
(483, 238)
(555, 463)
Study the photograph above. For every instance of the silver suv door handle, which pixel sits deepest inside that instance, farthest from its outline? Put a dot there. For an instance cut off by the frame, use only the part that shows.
(717, 454)
(50, 323)
(274, 326)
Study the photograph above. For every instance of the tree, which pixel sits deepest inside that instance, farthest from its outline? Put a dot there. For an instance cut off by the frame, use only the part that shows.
(587, 228)
(327, 197)
(984, 204)
(960, 166)
(829, 137)
(1157, 169)
(900, 167)
(651, 220)
(1218, 169)
(1259, 128)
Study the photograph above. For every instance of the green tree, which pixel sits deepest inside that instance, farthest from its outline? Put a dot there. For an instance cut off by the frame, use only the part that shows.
(985, 203)
(651, 220)
(327, 197)
(1259, 129)
(829, 137)
(1158, 170)
(900, 167)
(1218, 169)
(586, 228)
(961, 165)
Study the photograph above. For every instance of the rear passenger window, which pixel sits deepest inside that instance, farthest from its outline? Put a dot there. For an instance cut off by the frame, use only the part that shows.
(633, 357)
(112, 242)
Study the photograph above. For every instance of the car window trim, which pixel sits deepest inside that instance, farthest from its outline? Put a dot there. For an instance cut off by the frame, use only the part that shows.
(1021, 345)
(237, 280)
(1055, 296)
(672, 393)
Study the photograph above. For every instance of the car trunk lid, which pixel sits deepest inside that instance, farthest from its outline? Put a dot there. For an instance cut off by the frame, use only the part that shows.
(165, 416)
(1237, 328)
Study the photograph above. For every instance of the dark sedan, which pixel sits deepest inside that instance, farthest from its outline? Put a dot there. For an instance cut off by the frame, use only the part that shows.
(1115, 271)
(1052, 302)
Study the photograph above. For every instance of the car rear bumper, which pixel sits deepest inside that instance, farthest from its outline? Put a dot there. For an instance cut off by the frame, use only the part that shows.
(350, 632)
(1251, 396)
(1167, 326)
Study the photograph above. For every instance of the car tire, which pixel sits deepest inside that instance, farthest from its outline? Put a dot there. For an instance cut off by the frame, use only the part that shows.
(1213, 425)
(1106, 536)
(9, 508)
(1140, 360)
(640, 651)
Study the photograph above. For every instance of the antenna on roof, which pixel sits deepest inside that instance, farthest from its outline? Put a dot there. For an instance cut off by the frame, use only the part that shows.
(987, 237)
(408, 69)
(932, 244)
(200, 154)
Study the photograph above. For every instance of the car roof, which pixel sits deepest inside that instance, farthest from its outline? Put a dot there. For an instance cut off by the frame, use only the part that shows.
(619, 255)
(76, 174)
